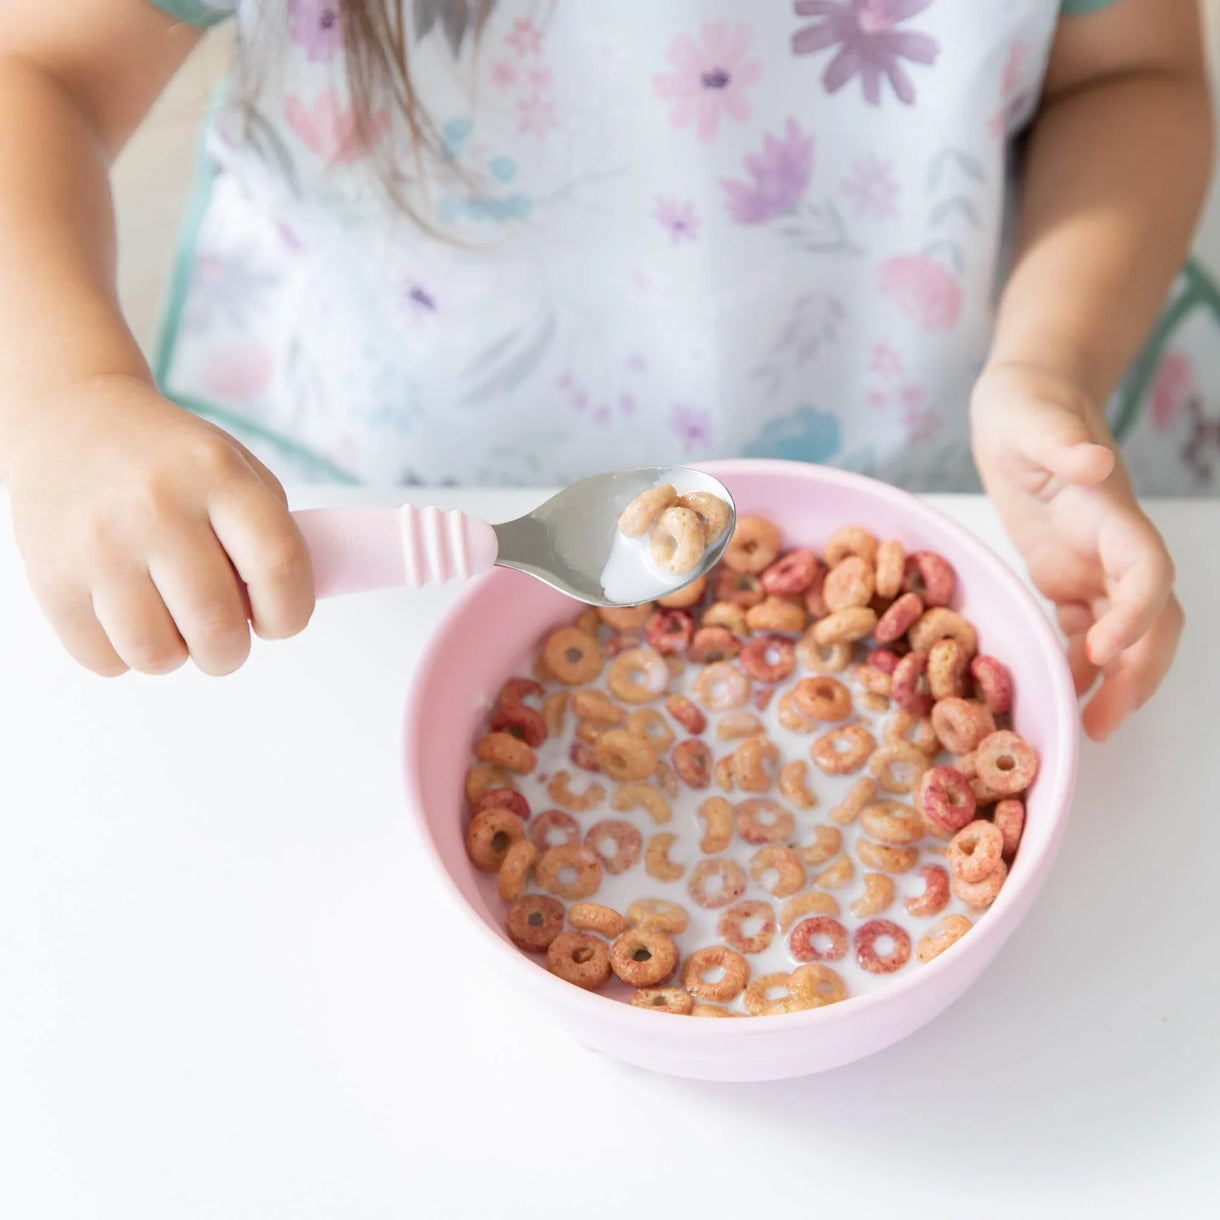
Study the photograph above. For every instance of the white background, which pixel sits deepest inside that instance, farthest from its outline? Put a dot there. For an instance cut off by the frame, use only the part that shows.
(230, 989)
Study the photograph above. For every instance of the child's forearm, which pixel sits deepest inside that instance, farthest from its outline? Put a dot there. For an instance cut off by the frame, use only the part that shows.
(59, 316)
(1116, 174)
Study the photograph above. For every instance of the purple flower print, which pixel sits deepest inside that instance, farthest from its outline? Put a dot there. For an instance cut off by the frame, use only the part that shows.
(314, 25)
(677, 217)
(692, 427)
(780, 174)
(869, 45)
(710, 78)
(537, 115)
(526, 38)
(871, 188)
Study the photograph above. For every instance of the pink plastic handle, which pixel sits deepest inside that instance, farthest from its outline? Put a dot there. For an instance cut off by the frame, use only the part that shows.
(357, 549)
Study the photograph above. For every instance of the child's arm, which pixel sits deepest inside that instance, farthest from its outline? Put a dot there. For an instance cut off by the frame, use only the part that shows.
(124, 506)
(1117, 168)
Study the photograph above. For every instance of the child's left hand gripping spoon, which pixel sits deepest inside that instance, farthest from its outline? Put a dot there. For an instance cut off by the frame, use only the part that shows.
(612, 540)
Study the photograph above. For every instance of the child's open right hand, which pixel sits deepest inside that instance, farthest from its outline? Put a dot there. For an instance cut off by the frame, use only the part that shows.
(148, 534)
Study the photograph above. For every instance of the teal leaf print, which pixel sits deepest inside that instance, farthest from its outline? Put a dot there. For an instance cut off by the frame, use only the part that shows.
(806, 435)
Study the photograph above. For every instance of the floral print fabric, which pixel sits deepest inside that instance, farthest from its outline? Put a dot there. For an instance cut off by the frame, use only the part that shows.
(658, 232)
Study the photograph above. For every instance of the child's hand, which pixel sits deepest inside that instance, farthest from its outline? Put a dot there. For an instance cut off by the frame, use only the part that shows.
(148, 534)
(1047, 459)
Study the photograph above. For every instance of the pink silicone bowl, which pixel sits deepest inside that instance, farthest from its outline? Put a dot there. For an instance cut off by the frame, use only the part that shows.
(500, 619)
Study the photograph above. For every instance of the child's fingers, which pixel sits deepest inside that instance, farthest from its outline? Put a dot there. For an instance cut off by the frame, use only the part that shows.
(1084, 672)
(1140, 578)
(270, 556)
(1074, 618)
(203, 593)
(1133, 678)
(134, 616)
(1081, 461)
(73, 620)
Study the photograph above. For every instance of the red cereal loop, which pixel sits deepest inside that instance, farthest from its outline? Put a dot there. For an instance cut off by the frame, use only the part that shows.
(503, 798)
(1006, 763)
(669, 631)
(831, 940)
(577, 957)
(615, 843)
(770, 658)
(711, 644)
(686, 713)
(738, 589)
(731, 926)
(753, 547)
(584, 755)
(935, 896)
(716, 883)
(947, 670)
(891, 568)
(867, 936)
(909, 685)
(944, 800)
(992, 684)
(761, 820)
(931, 576)
(1009, 817)
(815, 603)
(975, 851)
(884, 659)
(554, 828)
(521, 721)
(534, 920)
(692, 760)
(961, 725)
(791, 574)
(850, 583)
(517, 690)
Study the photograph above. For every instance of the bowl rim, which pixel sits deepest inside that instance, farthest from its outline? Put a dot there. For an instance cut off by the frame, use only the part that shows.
(995, 923)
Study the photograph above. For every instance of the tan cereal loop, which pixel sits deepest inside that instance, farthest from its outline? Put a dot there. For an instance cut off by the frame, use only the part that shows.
(851, 540)
(713, 1010)
(534, 920)
(976, 850)
(786, 865)
(878, 896)
(666, 779)
(672, 1000)
(721, 686)
(593, 917)
(737, 725)
(815, 984)
(643, 796)
(753, 763)
(948, 932)
(625, 618)
(860, 794)
(616, 844)
(891, 568)
(822, 658)
(735, 974)
(844, 750)
(624, 756)
(837, 875)
(667, 917)
(980, 893)
(851, 582)
(597, 706)
(898, 767)
(794, 784)
(505, 750)
(639, 675)
(712, 509)
(804, 905)
(648, 723)
(845, 626)
(678, 541)
(577, 957)
(643, 957)
(940, 623)
(688, 595)
(760, 1003)
(753, 547)
(560, 790)
(638, 516)
(656, 859)
(822, 698)
(761, 821)
(554, 712)
(777, 614)
(827, 843)
(716, 883)
(892, 823)
(886, 859)
(515, 871)
(574, 657)
(570, 871)
(717, 816)
(491, 833)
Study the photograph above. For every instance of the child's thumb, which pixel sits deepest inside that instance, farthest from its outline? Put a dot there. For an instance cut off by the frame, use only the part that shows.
(1061, 443)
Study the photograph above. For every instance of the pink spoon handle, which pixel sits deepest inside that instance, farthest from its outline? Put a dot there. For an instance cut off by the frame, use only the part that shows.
(357, 549)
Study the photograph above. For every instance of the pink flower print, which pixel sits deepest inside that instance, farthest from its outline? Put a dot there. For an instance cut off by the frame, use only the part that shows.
(920, 425)
(314, 25)
(239, 374)
(626, 404)
(539, 78)
(526, 38)
(329, 130)
(709, 78)
(636, 363)
(877, 399)
(601, 415)
(872, 189)
(1173, 383)
(924, 290)
(678, 218)
(911, 396)
(779, 175)
(504, 74)
(869, 45)
(692, 427)
(1010, 78)
(885, 361)
(537, 115)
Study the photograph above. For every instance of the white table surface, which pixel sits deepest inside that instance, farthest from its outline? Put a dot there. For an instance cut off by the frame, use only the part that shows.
(230, 989)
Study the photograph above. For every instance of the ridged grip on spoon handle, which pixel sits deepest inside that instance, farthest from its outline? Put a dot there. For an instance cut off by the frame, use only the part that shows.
(356, 549)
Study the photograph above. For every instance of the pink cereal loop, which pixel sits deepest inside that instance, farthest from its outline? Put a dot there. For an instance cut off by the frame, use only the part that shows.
(931, 576)
(1009, 817)
(944, 800)
(867, 936)
(935, 896)
(1006, 763)
(992, 684)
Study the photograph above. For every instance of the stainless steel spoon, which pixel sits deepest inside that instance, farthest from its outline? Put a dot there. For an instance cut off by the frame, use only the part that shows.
(566, 542)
